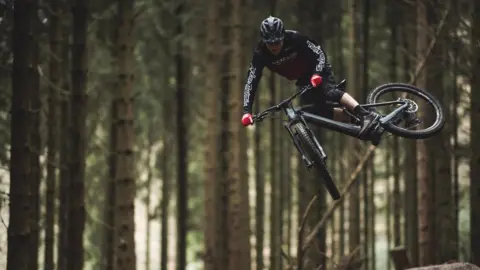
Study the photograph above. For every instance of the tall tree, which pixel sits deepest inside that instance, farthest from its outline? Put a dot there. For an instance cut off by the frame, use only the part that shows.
(53, 130)
(408, 31)
(354, 206)
(212, 181)
(20, 231)
(393, 23)
(238, 216)
(182, 182)
(167, 173)
(124, 242)
(475, 138)
(35, 146)
(65, 149)
(75, 256)
(425, 206)
(260, 196)
(443, 202)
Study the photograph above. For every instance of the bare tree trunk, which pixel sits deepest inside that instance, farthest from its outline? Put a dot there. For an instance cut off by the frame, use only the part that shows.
(238, 216)
(166, 182)
(409, 162)
(393, 22)
(367, 207)
(441, 147)
(425, 206)
(354, 206)
(35, 148)
(65, 149)
(182, 199)
(20, 230)
(455, 47)
(212, 181)
(475, 139)
(260, 195)
(148, 167)
(108, 248)
(372, 223)
(53, 130)
(75, 254)
(124, 241)
(388, 194)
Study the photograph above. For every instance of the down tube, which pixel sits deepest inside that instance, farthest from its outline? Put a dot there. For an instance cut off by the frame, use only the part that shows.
(344, 128)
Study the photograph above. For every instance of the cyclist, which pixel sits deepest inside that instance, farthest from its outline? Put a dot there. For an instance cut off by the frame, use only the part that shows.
(298, 57)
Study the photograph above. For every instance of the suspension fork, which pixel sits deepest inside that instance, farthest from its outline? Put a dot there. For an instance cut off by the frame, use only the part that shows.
(323, 155)
(288, 126)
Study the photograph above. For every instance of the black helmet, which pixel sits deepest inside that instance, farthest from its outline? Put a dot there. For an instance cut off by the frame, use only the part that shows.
(272, 30)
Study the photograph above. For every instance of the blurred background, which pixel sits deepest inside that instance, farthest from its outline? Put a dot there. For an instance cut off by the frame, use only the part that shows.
(122, 148)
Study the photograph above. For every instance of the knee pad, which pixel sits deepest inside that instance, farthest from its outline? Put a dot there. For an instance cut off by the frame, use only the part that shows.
(333, 94)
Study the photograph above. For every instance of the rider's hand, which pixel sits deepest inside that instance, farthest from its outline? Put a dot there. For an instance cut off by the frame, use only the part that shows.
(247, 119)
(316, 80)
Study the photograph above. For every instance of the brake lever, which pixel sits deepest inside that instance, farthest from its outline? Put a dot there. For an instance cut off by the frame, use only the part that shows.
(259, 117)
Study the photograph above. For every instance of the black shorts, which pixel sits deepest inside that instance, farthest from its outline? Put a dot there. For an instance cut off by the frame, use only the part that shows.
(317, 97)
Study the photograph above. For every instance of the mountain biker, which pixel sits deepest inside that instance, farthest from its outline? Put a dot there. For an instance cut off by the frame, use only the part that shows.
(298, 57)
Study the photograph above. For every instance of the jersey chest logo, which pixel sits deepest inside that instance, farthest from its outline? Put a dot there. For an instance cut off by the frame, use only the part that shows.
(285, 59)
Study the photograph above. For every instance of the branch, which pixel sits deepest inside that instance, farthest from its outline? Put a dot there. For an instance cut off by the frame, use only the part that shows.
(346, 189)
(420, 66)
(300, 251)
(440, 28)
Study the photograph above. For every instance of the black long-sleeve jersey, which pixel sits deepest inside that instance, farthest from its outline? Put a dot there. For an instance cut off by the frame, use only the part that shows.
(299, 58)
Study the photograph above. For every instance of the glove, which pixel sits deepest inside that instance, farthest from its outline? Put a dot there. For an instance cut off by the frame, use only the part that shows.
(247, 119)
(316, 80)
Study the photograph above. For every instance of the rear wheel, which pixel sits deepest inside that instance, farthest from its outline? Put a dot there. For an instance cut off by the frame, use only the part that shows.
(311, 149)
(423, 106)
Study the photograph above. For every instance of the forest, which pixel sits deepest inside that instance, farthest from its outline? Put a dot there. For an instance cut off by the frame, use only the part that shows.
(122, 146)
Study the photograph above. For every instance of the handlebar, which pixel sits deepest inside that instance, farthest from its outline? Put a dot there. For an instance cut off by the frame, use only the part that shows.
(260, 116)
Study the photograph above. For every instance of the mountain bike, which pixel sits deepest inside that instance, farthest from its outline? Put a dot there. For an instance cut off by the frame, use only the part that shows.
(402, 119)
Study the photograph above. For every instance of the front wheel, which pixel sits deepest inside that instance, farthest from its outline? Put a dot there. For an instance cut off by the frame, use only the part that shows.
(308, 145)
(426, 108)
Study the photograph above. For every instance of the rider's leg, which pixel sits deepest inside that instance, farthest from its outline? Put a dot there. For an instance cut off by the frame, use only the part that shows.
(368, 118)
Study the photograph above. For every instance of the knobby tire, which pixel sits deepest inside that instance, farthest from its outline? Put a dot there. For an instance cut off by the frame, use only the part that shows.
(308, 145)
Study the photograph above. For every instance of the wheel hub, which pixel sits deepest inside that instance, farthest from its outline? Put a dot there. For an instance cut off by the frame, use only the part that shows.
(412, 105)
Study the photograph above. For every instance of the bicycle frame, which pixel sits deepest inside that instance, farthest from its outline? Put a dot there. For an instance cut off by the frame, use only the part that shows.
(296, 114)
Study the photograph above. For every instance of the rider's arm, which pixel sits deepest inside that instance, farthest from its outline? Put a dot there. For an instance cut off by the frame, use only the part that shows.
(315, 51)
(253, 78)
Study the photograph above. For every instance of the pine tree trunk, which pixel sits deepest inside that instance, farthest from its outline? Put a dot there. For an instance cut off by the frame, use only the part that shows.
(166, 180)
(212, 182)
(475, 139)
(367, 207)
(238, 216)
(35, 148)
(455, 47)
(409, 162)
(260, 194)
(65, 149)
(425, 206)
(275, 255)
(124, 241)
(109, 233)
(393, 23)
(53, 131)
(149, 169)
(182, 199)
(440, 147)
(76, 193)
(354, 205)
(20, 230)
(388, 195)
